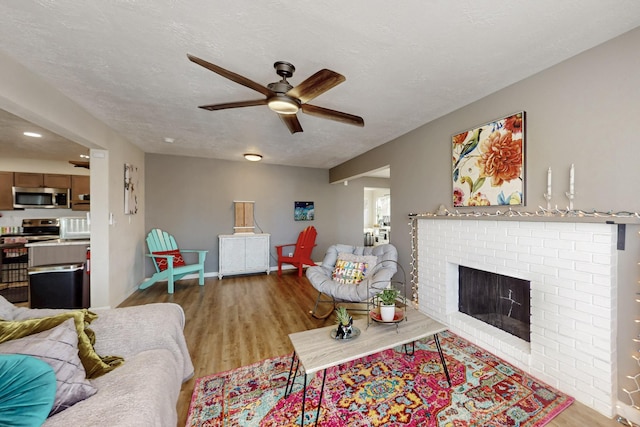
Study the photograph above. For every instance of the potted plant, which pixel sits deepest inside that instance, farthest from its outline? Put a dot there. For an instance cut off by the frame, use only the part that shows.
(345, 322)
(388, 303)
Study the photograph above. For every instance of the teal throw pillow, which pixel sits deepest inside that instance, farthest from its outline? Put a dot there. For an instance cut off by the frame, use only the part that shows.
(27, 390)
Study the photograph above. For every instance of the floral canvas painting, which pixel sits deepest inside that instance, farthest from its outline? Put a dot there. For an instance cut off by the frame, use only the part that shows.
(488, 163)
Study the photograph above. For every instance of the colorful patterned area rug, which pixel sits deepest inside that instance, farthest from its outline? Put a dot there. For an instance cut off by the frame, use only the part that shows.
(389, 388)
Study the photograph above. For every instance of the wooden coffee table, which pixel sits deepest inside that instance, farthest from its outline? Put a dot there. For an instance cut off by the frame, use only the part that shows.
(316, 350)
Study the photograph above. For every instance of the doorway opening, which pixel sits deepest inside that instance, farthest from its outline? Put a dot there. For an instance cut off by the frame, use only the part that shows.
(377, 216)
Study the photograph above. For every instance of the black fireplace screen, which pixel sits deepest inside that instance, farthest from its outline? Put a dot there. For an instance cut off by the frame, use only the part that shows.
(497, 300)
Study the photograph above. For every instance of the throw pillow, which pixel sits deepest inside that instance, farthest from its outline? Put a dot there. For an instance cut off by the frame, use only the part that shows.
(352, 269)
(94, 364)
(27, 390)
(58, 347)
(163, 263)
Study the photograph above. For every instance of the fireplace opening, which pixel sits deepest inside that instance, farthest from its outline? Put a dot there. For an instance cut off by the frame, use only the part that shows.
(500, 301)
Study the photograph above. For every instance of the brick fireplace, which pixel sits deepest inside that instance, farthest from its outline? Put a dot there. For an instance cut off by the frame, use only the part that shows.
(572, 269)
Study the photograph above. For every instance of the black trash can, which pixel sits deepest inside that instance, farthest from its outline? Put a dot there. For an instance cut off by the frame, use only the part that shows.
(56, 285)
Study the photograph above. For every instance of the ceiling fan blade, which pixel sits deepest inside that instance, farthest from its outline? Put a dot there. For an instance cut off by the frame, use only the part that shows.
(238, 104)
(232, 76)
(338, 116)
(316, 85)
(291, 121)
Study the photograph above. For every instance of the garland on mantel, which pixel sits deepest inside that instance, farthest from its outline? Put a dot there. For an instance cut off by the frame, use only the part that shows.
(541, 212)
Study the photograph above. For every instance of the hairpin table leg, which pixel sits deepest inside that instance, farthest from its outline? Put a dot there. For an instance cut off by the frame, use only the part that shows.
(294, 358)
(444, 363)
(304, 395)
(324, 377)
(413, 348)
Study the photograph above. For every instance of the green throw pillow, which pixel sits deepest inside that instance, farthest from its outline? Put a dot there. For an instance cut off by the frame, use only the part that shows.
(27, 390)
(94, 364)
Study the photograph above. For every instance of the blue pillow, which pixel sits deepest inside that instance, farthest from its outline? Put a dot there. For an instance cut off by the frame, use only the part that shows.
(27, 390)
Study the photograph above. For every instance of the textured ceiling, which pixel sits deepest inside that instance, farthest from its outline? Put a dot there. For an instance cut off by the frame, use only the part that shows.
(406, 63)
(13, 142)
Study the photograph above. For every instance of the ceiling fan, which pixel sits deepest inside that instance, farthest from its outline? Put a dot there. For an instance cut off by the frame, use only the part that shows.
(282, 97)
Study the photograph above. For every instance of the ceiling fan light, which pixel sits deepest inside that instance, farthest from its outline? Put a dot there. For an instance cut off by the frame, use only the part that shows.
(253, 157)
(283, 105)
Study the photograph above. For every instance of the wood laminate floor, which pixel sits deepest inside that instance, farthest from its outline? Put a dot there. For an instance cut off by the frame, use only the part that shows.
(241, 320)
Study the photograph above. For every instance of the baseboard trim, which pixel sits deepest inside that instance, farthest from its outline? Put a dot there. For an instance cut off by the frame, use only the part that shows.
(215, 274)
(628, 412)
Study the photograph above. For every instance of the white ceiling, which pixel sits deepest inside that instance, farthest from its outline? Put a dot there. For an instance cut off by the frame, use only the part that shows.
(406, 63)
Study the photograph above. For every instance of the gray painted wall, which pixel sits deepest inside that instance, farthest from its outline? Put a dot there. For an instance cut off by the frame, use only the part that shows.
(194, 202)
(583, 111)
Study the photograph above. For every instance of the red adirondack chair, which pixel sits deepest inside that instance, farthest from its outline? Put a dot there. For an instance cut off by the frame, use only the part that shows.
(302, 252)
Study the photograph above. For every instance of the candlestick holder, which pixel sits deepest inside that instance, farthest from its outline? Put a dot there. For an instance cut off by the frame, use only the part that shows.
(547, 197)
(570, 195)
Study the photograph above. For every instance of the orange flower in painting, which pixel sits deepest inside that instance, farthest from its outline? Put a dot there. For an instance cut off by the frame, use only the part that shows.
(501, 157)
(478, 199)
(459, 138)
(514, 123)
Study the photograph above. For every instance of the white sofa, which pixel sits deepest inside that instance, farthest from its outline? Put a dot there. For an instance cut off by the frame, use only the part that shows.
(144, 390)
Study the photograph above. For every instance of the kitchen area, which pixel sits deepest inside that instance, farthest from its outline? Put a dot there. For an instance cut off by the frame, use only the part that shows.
(377, 216)
(44, 258)
(44, 263)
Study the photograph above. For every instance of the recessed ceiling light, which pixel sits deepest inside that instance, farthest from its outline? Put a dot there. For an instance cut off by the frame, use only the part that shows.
(84, 156)
(32, 134)
(253, 157)
(169, 140)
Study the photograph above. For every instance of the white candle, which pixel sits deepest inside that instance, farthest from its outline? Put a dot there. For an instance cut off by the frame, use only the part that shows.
(549, 182)
(572, 179)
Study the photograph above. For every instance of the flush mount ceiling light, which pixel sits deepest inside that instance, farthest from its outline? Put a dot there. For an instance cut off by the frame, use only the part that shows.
(32, 134)
(253, 157)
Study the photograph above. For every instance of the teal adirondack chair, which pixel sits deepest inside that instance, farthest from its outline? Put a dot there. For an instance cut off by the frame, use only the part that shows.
(161, 241)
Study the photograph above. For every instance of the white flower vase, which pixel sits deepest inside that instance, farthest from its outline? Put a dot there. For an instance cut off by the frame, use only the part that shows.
(387, 312)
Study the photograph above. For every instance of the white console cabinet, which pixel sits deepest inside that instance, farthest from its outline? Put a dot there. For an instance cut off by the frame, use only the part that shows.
(243, 253)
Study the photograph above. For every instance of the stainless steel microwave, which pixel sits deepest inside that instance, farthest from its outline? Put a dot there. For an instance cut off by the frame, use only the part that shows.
(39, 198)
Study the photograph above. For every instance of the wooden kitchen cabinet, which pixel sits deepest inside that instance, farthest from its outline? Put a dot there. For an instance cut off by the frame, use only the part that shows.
(53, 180)
(28, 179)
(6, 196)
(243, 254)
(80, 184)
(37, 180)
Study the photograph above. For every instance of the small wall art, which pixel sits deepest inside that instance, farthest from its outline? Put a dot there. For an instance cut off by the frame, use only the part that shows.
(130, 189)
(303, 211)
(488, 163)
